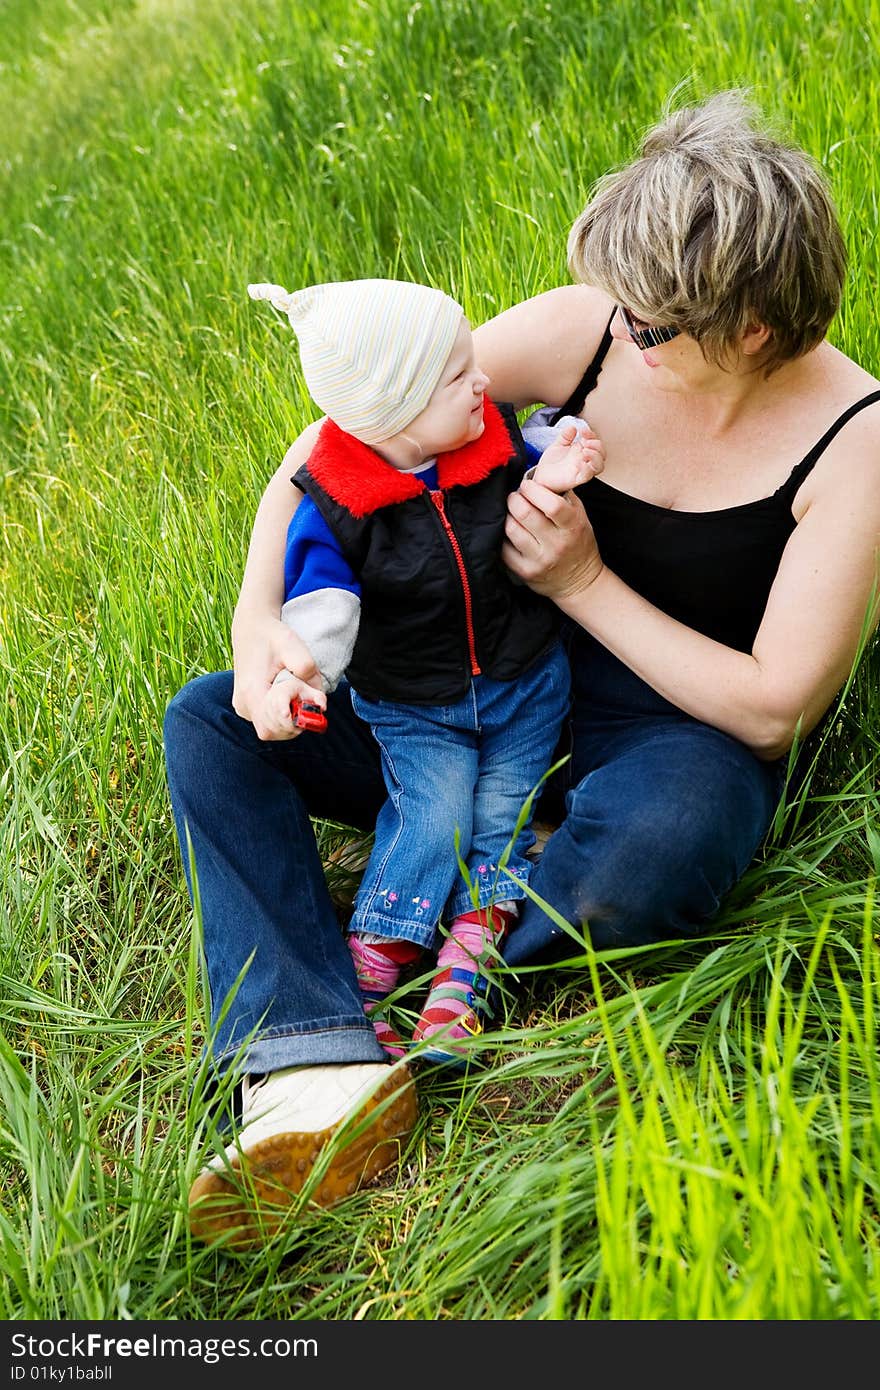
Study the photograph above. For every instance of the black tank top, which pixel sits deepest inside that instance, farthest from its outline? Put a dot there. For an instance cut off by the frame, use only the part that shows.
(710, 570)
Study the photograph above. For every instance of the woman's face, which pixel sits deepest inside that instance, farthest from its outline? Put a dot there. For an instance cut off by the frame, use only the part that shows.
(664, 356)
(679, 365)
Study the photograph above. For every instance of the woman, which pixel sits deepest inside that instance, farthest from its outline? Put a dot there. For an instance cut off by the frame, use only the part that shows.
(717, 580)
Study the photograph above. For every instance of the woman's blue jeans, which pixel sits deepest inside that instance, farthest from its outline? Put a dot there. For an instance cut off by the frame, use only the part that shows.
(662, 816)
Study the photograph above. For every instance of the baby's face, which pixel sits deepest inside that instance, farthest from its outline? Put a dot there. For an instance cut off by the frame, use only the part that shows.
(454, 413)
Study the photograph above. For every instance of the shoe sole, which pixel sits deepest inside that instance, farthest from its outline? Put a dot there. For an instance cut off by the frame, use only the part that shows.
(253, 1196)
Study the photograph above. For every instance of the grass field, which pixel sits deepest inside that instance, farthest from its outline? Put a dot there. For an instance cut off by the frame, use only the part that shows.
(690, 1133)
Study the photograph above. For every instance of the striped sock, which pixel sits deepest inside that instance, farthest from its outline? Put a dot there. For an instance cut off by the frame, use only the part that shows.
(377, 964)
(456, 1003)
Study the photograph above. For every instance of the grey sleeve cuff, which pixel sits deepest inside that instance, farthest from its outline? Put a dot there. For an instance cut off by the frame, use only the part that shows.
(327, 621)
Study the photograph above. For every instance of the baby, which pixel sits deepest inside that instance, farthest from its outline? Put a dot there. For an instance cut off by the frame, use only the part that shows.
(394, 579)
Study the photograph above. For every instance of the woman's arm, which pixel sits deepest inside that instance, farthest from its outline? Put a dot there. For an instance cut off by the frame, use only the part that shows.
(537, 351)
(261, 644)
(823, 600)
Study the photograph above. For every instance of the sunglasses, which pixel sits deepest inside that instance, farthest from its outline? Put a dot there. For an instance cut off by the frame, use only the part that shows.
(645, 337)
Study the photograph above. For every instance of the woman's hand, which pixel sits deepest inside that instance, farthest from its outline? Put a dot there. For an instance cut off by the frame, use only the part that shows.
(262, 648)
(549, 542)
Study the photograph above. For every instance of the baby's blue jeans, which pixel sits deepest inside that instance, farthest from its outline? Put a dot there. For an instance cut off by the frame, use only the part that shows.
(467, 767)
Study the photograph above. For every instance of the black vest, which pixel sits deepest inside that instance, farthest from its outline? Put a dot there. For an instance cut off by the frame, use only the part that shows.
(437, 605)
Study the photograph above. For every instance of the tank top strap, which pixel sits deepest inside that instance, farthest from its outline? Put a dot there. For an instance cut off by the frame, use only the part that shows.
(574, 404)
(800, 470)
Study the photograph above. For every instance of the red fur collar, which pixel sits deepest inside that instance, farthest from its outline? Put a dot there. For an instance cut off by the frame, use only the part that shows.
(356, 476)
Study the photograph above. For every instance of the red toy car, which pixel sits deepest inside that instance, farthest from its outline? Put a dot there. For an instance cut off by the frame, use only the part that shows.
(307, 715)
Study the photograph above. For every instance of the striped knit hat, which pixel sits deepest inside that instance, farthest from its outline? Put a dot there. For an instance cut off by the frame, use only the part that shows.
(372, 351)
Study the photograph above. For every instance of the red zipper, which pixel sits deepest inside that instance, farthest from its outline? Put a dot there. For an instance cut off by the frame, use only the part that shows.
(437, 499)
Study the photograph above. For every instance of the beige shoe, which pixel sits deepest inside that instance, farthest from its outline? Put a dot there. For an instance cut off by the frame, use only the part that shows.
(289, 1118)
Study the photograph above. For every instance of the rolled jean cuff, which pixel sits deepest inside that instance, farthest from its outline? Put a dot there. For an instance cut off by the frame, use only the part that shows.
(303, 1047)
(419, 933)
(508, 890)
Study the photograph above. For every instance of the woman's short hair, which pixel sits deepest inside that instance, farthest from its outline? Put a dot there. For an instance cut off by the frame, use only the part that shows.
(715, 226)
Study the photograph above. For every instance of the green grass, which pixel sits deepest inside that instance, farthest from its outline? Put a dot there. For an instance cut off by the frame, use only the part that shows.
(682, 1133)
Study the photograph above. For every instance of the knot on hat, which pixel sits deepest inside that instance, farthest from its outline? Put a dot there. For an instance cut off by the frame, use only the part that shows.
(293, 305)
(277, 296)
(372, 351)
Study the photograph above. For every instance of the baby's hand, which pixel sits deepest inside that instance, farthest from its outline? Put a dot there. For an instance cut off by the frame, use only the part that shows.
(276, 713)
(577, 454)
